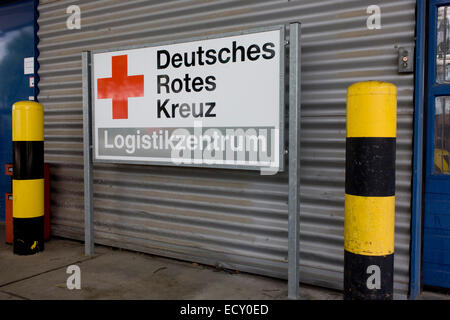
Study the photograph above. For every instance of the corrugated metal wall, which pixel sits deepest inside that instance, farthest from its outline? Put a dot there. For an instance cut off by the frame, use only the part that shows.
(233, 219)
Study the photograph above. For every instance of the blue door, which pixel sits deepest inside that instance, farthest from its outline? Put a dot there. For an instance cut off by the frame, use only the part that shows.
(17, 74)
(436, 237)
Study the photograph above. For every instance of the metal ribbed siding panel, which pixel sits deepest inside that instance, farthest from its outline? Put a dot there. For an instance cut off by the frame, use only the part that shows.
(234, 219)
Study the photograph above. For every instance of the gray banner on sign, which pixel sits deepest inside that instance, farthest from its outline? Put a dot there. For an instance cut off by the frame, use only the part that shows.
(255, 146)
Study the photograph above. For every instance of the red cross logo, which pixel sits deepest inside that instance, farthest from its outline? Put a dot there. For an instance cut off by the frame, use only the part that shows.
(120, 87)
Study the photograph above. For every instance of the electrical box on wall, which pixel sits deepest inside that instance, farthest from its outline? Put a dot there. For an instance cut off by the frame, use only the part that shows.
(406, 59)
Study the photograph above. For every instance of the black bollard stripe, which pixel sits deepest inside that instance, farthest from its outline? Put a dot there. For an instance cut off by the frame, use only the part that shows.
(368, 277)
(28, 160)
(28, 235)
(370, 167)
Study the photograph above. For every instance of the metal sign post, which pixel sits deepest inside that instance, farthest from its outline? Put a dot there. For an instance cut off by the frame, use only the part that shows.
(87, 151)
(294, 162)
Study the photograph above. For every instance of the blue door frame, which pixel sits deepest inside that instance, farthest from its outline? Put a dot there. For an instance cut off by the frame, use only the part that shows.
(436, 206)
(425, 17)
(417, 174)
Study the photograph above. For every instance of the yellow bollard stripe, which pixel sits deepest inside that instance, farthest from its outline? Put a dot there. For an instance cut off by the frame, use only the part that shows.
(28, 198)
(28, 121)
(369, 225)
(372, 110)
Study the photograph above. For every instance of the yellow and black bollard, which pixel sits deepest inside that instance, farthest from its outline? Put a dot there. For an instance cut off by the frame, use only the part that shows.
(370, 191)
(28, 177)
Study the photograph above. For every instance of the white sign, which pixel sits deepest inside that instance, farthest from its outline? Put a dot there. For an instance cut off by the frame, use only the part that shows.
(214, 102)
(28, 65)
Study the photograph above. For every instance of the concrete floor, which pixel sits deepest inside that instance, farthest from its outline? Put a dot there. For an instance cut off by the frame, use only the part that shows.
(122, 274)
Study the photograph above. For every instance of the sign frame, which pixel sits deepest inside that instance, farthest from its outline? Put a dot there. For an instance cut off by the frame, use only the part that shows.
(281, 107)
(294, 113)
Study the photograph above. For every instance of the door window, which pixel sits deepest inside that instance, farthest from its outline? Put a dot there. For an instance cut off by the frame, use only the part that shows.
(442, 135)
(443, 45)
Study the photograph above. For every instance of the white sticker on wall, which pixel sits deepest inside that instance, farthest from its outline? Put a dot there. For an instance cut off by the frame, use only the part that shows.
(28, 64)
(31, 82)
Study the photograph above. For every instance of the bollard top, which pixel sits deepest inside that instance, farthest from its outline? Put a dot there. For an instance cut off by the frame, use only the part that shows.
(371, 88)
(27, 106)
(372, 110)
(27, 121)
